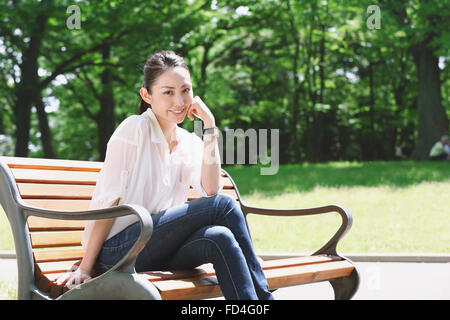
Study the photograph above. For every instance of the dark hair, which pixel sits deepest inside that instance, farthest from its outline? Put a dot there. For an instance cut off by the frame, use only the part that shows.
(158, 62)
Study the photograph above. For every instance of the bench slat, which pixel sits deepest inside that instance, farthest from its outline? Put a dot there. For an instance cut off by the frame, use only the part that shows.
(284, 277)
(51, 163)
(55, 239)
(45, 224)
(226, 183)
(55, 176)
(298, 261)
(56, 267)
(55, 191)
(54, 255)
(60, 205)
(189, 288)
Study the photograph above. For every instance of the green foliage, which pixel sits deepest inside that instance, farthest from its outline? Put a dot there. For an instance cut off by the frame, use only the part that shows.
(312, 66)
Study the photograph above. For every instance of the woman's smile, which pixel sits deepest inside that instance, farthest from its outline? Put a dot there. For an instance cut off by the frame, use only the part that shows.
(177, 111)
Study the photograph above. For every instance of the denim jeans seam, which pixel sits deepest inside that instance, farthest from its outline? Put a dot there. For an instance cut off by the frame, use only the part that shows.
(120, 246)
(104, 266)
(189, 217)
(223, 257)
(226, 210)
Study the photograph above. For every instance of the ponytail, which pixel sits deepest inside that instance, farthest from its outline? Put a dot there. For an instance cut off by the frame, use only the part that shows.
(143, 106)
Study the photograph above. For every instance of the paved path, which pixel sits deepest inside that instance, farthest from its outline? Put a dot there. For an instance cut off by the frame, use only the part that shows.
(379, 280)
(385, 281)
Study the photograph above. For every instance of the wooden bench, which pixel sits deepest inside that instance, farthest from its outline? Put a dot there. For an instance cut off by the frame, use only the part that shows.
(47, 202)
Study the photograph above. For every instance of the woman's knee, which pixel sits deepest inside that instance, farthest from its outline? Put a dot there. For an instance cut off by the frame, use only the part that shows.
(219, 242)
(221, 236)
(227, 204)
(222, 197)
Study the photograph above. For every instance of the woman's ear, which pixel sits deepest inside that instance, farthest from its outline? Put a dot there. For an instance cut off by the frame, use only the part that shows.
(145, 95)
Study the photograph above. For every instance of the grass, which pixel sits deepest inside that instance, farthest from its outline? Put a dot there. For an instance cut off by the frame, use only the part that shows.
(385, 220)
(8, 289)
(306, 177)
(396, 206)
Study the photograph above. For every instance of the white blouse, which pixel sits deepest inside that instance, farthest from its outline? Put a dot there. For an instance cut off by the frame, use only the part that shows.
(139, 169)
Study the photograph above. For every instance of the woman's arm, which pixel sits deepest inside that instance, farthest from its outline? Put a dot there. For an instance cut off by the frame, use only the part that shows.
(99, 232)
(210, 178)
(211, 162)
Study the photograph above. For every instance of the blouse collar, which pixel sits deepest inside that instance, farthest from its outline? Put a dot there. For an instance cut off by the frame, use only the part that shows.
(157, 135)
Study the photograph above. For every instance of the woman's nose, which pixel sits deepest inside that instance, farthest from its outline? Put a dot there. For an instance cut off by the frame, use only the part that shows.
(180, 101)
(185, 100)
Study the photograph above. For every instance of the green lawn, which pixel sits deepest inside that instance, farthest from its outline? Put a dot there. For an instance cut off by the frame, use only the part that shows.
(6, 240)
(396, 206)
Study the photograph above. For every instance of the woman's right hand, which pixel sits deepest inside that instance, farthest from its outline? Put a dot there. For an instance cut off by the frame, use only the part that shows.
(74, 278)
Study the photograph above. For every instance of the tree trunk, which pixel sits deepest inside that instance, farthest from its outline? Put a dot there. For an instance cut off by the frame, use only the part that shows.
(296, 94)
(372, 139)
(201, 88)
(106, 118)
(29, 86)
(46, 134)
(22, 112)
(432, 119)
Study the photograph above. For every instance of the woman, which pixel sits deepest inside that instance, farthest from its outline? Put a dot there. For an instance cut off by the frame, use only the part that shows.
(151, 161)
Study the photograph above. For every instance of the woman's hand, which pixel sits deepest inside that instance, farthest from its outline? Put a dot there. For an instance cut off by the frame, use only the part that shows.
(74, 278)
(200, 110)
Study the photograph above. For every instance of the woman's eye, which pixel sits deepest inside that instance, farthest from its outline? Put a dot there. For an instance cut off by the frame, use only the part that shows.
(169, 92)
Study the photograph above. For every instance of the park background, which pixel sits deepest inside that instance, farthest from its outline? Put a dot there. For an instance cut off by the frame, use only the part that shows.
(345, 92)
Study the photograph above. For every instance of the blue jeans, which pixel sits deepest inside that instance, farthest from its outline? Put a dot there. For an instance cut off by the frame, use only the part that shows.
(205, 230)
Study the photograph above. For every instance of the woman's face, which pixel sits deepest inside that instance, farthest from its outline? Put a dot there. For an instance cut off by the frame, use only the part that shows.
(171, 95)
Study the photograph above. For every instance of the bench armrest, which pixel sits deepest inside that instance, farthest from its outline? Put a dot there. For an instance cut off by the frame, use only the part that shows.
(330, 246)
(126, 264)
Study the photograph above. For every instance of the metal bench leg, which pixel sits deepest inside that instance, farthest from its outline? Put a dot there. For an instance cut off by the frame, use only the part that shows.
(345, 288)
(114, 286)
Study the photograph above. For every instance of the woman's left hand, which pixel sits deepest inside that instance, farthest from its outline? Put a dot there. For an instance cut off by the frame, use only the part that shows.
(200, 110)
(74, 278)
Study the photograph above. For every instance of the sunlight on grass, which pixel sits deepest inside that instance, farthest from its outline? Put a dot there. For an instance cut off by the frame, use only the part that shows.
(338, 164)
(385, 220)
(6, 239)
(306, 177)
(8, 289)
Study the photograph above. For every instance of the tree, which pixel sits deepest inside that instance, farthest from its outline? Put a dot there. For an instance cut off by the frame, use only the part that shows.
(425, 24)
(35, 44)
